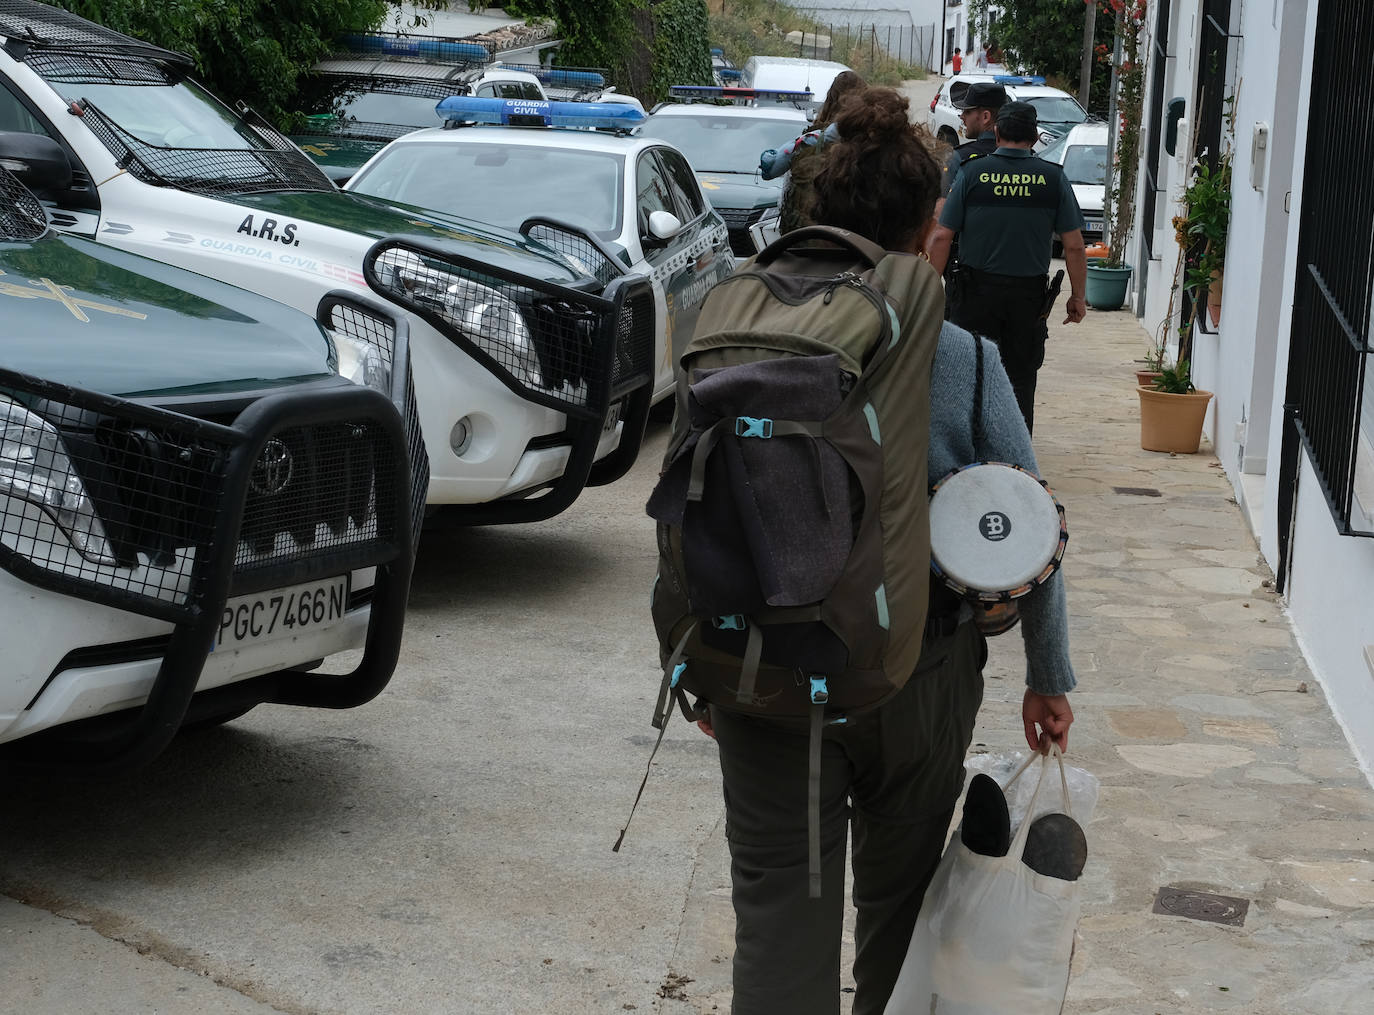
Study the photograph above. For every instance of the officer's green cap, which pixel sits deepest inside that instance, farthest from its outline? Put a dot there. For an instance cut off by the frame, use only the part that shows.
(1019, 113)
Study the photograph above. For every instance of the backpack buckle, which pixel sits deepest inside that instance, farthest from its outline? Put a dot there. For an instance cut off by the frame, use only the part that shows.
(729, 622)
(820, 692)
(751, 426)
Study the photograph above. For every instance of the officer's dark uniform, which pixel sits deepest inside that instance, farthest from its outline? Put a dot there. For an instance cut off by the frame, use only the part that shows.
(979, 95)
(1005, 208)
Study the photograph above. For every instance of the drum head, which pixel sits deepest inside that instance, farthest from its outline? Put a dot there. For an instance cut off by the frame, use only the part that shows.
(994, 530)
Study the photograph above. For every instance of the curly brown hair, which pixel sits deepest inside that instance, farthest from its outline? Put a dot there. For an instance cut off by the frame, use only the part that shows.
(881, 179)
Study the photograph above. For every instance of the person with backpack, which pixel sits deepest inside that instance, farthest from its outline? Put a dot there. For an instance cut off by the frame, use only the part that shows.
(895, 770)
(801, 162)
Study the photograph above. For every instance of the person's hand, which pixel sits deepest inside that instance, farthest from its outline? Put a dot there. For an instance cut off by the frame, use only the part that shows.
(705, 726)
(1047, 718)
(1077, 308)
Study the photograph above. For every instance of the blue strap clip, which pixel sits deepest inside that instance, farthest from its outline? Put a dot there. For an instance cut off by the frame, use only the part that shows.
(750, 426)
(729, 622)
(820, 692)
(678, 671)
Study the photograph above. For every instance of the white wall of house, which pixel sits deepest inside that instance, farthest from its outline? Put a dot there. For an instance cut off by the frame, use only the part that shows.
(1330, 589)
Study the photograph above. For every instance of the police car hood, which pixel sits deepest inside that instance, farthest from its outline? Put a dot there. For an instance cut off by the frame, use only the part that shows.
(368, 216)
(339, 156)
(739, 190)
(99, 318)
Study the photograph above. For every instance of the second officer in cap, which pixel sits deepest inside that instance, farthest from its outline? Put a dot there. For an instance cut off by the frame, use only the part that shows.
(1005, 209)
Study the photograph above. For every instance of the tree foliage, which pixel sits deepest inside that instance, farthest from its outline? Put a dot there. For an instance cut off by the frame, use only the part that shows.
(681, 53)
(597, 34)
(245, 49)
(1046, 37)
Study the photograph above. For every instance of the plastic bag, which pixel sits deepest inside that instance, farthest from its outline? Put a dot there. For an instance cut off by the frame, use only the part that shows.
(993, 936)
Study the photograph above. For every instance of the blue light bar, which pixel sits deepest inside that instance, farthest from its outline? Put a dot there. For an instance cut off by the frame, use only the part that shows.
(430, 49)
(1018, 79)
(567, 77)
(539, 113)
(727, 92)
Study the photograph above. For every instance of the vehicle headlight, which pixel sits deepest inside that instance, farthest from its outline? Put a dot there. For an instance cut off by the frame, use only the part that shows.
(361, 362)
(492, 321)
(34, 467)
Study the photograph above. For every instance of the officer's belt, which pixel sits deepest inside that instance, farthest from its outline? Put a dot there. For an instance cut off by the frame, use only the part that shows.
(1030, 284)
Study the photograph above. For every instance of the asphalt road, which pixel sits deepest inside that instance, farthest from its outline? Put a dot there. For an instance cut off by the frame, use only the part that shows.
(445, 848)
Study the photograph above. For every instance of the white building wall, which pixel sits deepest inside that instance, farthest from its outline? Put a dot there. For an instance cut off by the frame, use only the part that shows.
(1330, 587)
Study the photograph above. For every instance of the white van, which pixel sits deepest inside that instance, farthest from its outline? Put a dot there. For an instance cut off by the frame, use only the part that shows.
(791, 74)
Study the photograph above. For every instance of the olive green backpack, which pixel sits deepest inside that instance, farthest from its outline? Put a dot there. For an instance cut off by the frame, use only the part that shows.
(792, 509)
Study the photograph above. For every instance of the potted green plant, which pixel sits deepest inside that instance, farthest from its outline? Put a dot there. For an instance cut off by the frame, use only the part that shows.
(1172, 411)
(1109, 277)
(1202, 230)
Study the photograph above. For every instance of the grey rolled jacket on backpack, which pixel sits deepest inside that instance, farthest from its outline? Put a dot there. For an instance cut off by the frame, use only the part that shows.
(1044, 612)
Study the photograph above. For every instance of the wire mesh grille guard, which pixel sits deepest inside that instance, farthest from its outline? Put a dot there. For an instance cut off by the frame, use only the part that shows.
(584, 254)
(211, 171)
(21, 216)
(544, 341)
(96, 492)
(634, 346)
(345, 316)
(317, 489)
(44, 26)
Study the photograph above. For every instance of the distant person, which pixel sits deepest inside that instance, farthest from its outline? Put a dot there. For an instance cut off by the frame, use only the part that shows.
(982, 62)
(1005, 215)
(994, 54)
(957, 64)
(795, 209)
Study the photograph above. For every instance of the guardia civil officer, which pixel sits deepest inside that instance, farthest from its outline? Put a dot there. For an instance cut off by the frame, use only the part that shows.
(978, 105)
(1005, 208)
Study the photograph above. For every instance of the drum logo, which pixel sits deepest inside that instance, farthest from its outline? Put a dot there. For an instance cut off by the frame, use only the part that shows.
(995, 526)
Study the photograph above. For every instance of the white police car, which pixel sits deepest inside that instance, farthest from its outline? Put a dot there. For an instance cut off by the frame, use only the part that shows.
(723, 144)
(635, 199)
(1083, 152)
(1056, 110)
(532, 376)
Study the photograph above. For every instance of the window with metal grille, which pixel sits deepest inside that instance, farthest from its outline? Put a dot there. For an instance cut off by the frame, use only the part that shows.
(1329, 410)
(1159, 45)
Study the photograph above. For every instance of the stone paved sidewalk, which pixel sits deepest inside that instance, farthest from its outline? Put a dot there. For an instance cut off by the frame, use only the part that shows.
(1222, 768)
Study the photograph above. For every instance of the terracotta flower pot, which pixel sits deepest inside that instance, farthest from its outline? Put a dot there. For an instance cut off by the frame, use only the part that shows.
(1214, 299)
(1146, 378)
(1171, 422)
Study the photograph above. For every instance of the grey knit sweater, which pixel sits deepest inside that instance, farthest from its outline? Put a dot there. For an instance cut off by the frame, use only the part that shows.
(1044, 614)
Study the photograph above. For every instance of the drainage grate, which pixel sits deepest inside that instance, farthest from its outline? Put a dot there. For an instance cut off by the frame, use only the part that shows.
(1137, 491)
(1201, 906)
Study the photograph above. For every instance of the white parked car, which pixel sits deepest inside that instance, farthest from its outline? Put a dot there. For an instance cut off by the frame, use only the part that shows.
(635, 199)
(791, 74)
(1083, 153)
(1055, 110)
(723, 144)
(532, 376)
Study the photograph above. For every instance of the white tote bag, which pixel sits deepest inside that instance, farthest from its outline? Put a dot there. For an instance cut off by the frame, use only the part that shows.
(993, 936)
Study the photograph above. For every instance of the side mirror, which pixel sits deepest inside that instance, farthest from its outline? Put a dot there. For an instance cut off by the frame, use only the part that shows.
(36, 159)
(1172, 114)
(663, 226)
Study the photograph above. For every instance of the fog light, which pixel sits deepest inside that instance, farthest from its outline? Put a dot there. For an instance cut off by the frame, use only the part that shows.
(460, 437)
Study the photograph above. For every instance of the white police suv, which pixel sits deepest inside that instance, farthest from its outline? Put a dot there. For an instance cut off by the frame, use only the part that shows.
(532, 375)
(723, 144)
(569, 168)
(1056, 110)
